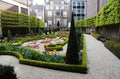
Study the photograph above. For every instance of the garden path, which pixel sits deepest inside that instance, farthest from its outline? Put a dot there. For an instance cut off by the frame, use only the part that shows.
(102, 64)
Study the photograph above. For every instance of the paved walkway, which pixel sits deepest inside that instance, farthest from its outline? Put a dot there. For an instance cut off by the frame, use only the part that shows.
(102, 64)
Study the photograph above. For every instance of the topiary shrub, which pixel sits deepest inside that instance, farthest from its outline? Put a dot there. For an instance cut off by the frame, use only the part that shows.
(72, 56)
(7, 72)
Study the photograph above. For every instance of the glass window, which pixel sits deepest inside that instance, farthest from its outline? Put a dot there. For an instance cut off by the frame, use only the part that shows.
(62, 2)
(57, 7)
(78, 4)
(62, 7)
(49, 23)
(49, 13)
(64, 13)
(51, 7)
(47, 7)
(51, 2)
(57, 13)
(74, 4)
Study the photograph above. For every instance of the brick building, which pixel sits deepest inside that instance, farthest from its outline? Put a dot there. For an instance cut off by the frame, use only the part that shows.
(79, 9)
(57, 14)
(94, 6)
(21, 6)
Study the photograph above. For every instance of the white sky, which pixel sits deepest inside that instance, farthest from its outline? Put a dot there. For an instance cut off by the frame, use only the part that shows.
(38, 2)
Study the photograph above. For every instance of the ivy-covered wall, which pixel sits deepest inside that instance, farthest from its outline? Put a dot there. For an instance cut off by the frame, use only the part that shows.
(14, 19)
(18, 23)
(110, 14)
(106, 22)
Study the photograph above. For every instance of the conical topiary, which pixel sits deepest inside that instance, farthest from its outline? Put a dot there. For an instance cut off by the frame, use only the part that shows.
(72, 56)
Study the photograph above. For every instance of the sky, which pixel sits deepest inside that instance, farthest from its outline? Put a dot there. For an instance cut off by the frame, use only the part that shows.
(38, 2)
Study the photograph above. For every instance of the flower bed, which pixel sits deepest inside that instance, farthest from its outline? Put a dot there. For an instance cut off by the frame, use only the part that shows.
(82, 68)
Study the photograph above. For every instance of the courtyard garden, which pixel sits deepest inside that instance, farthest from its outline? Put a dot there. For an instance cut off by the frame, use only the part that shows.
(47, 51)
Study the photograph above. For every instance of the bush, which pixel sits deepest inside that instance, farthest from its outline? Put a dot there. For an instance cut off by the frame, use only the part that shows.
(57, 47)
(114, 47)
(5, 47)
(7, 72)
(96, 35)
(31, 54)
(52, 58)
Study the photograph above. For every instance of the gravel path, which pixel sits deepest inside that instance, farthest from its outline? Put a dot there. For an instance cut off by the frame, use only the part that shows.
(102, 64)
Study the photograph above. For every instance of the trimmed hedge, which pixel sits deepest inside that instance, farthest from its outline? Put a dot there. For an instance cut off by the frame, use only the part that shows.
(15, 19)
(108, 15)
(57, 47)
(57, 66)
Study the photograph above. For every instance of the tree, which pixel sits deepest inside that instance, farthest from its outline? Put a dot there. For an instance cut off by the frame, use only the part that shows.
(72, 56)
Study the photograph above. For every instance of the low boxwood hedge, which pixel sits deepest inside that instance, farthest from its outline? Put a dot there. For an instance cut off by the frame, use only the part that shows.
(58, 48)
(82, 68)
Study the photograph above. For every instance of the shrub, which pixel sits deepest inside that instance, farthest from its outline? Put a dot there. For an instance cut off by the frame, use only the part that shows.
(114, 47)
(72, 56)
(5, 47)
(52, 58)
(7, 72)
(57, 47)
(31, 54)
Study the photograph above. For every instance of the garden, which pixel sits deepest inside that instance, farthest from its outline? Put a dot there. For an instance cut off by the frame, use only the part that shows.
(62, 50)
(43, 51)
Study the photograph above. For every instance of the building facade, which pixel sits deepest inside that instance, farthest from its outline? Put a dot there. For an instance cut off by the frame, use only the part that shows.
(79, 9)
(21, 6)
(57, 14)
(39, 10)
(94, 6)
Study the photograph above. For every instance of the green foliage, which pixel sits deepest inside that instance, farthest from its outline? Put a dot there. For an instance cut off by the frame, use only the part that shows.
(96, 35)
(114, 47)
(72, 56)
(14, 19)
(31, 54)
(7, 72)
(84, 56)
(52, 58)
(108, 15)
(57, 47)
(5, 47)
(32, 33)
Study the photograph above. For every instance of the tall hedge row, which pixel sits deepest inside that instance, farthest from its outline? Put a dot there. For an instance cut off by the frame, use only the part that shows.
(109, 14)
(15, 19)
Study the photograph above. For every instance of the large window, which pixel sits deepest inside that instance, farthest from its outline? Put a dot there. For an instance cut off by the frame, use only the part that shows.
(64, 13)
(47, 7)
(50, 13)
(57, 7)
(49, 23)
